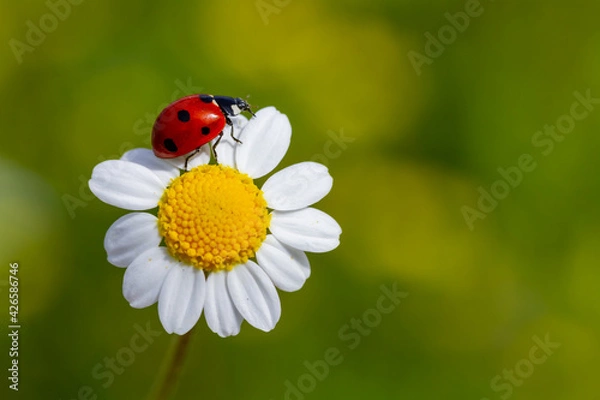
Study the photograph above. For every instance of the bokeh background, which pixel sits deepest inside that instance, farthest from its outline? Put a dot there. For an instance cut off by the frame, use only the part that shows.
(418, 144)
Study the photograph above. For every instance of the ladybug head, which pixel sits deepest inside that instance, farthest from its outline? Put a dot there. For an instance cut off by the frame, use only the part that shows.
(233, 106)
(243, 105)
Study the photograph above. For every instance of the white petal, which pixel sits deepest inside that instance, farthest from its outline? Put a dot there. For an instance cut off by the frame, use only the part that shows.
(130, 236)
(254, 295)
(266, 139)
(181, 299)
(288, 268)
(145, 276)
(239, 122)
(221, 315)
(297, 186)
(200, 158)
(159, 166)
(226, 148)
(127, 185)
(308, 229)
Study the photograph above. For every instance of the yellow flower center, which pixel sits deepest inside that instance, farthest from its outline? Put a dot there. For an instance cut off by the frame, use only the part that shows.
(213, 217)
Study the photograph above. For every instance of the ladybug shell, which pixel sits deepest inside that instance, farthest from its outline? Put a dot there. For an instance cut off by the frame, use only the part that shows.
(185, 125)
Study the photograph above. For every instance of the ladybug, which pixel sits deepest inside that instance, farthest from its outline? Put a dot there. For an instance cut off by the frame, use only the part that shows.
(187, 124)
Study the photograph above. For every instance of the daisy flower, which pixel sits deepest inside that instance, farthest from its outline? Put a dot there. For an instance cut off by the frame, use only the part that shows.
(217, 242)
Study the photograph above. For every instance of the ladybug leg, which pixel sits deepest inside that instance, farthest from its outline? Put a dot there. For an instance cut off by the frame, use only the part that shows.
(233, 137)
(192, 154)
(214, 147)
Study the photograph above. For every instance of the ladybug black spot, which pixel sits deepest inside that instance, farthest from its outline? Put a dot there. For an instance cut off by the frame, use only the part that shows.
(183, 115)
(205, 130)
(170, 145)
(206, 98)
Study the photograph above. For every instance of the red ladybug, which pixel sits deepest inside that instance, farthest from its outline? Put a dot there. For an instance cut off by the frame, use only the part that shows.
(192, 121)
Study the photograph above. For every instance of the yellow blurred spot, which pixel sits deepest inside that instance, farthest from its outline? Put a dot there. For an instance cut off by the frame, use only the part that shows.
(416, 230)
(344, 71)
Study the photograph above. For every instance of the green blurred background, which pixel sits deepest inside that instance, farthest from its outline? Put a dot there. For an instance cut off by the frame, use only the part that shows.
(417, 147)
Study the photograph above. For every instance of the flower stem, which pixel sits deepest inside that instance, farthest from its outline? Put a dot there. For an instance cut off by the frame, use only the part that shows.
(171, 368)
